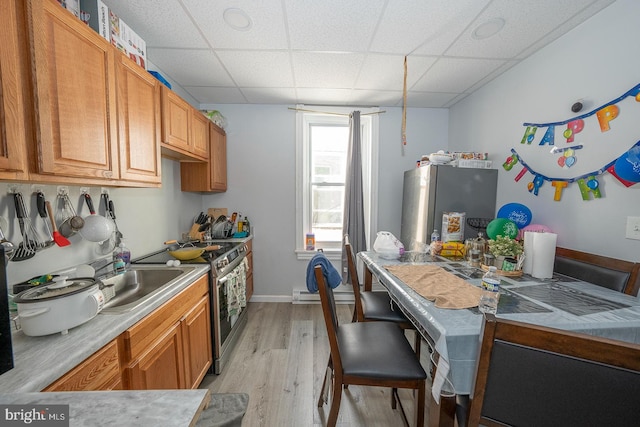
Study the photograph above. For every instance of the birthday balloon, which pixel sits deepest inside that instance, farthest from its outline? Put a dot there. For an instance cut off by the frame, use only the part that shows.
(516, 212)
(502, 227)
(627, 166)
(536, 228)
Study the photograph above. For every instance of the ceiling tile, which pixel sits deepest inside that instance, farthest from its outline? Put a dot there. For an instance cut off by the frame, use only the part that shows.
(270, 95)
(387, 71)
(424, 27)
(326, 70)
(190, 67)
(365, 97)
(429, 99)
(159, 23)
(324, 96)
(256, 68)
(455, 75)
(518, 33)
(216, 95)
(332, 25)
(267, 30)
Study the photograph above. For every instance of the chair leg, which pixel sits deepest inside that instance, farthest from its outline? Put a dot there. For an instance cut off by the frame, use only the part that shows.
(394, 393)
(419, 404)
(328, 373)
(335, 401)
(417, 343)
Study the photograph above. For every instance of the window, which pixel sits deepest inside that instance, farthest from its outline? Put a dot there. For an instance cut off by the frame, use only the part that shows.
(322, 142)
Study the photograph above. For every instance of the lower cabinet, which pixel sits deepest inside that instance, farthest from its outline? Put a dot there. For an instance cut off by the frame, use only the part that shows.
(101, 371)
(168, 349)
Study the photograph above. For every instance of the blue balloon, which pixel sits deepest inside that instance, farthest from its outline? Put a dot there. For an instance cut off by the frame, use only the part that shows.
(516, 212)
(627, 166)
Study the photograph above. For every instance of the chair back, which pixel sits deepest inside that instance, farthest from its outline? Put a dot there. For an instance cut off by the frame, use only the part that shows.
(534, 375)
(353, 276)
(329, 313)
(612, 273)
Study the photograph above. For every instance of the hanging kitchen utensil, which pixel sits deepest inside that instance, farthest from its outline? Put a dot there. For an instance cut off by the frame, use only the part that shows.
(58, 238)
(40, 203)
(96, 227)
(112, 212)
(71, 222)
(27, 248)
(9, 248)
(107, 246)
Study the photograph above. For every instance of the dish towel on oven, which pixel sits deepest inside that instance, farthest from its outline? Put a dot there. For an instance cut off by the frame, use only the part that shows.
(237, 289)
(331, 275)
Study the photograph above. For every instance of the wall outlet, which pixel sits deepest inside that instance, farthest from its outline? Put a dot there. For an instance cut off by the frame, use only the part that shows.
(633, 227)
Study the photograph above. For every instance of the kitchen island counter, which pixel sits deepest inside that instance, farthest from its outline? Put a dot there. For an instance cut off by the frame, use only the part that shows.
(167, 408)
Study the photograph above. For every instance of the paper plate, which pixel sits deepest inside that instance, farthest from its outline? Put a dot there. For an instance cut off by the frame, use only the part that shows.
(516, 212)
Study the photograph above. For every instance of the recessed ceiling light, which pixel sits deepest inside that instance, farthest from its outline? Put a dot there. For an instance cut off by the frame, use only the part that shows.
(237, 19)
(488, 29)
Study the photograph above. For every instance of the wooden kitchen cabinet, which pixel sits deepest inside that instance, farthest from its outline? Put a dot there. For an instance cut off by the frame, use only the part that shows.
(161, 366)
(171, 347)
(139, 122)
(74, 90)
(184, 129)
(101, 371)
(212, 175)
(197, 343)
(14, 84)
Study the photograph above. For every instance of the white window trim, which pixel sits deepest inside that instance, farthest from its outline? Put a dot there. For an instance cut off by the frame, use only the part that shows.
(369, 175)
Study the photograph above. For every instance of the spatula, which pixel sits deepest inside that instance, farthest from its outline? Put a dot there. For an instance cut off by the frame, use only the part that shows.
(40, 203)
(57, 237)
(27, 248)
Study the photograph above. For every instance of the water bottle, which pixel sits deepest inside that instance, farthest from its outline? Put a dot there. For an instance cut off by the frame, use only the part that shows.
(490, 292)
(435, 236)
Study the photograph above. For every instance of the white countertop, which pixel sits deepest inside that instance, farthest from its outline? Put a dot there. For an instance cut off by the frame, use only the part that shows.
(39, 361)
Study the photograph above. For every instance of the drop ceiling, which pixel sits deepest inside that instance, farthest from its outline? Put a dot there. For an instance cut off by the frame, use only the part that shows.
(337, 52)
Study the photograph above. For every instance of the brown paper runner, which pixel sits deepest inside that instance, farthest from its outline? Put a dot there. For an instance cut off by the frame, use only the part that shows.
(438, 285)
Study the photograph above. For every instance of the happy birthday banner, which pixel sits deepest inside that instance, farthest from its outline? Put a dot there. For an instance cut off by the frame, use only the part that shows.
(625, 168)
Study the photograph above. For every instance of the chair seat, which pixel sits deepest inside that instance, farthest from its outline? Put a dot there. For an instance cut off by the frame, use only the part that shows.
(377, 350)
(377, 306)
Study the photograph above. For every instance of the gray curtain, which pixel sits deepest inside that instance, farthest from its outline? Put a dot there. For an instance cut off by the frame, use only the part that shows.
(353, 220)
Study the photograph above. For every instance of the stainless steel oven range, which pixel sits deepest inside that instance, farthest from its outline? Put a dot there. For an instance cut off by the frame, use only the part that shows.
(227, 290)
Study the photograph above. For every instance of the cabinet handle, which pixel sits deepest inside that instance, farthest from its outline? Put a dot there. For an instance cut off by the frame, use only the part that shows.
(107, 174)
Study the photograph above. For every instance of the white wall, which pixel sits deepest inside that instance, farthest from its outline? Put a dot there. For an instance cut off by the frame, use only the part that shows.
(596, 61)
(261, 175)
(146, 217)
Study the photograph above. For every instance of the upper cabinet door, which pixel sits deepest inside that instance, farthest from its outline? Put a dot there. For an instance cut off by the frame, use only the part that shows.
(199, 134)
(218, 160)
(75, 95)
(175, 120)
(139, 122)
(13, 86)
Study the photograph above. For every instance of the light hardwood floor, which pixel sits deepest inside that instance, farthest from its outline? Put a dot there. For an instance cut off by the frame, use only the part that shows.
(280, 361)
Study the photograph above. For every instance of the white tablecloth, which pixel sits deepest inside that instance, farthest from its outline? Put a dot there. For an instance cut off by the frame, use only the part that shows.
(455, 333)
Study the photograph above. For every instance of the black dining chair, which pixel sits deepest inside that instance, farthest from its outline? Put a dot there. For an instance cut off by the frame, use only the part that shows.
(368, 354)
(529, 375)
(375, 305)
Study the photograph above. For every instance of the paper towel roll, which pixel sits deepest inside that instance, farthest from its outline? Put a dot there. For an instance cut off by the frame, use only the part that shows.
(528, 251)
(544, 254)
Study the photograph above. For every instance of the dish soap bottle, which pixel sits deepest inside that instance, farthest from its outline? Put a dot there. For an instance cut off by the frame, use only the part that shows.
(121, 258)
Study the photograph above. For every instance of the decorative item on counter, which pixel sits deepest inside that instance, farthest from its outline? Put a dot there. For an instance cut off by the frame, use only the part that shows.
(506, 252)
(502, 227)
(453, 226)
(310, 242)
(388, 246)
(516, 212)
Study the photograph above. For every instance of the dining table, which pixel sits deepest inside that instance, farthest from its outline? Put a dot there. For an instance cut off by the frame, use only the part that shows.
(453, 334)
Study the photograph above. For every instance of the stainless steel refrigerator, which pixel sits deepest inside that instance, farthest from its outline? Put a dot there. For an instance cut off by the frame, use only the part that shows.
(431, 190)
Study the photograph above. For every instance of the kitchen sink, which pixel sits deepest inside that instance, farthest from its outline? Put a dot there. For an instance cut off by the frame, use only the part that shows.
(134, 287)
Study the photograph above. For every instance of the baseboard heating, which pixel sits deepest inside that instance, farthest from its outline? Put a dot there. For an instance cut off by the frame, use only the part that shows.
(303, 296)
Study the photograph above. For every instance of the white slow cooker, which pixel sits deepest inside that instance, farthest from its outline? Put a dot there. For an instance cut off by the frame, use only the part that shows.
(59, 305)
